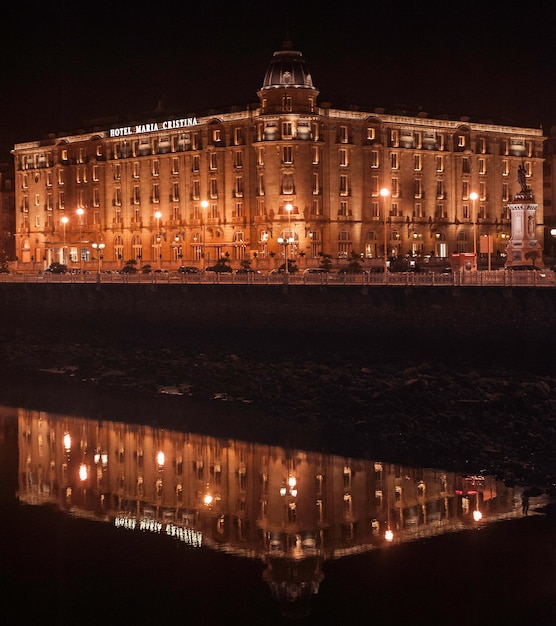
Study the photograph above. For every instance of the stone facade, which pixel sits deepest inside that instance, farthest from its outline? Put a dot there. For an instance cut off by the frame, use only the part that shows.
(169, 191)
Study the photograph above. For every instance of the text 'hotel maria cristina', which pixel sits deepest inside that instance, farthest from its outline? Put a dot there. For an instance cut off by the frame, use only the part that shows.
(189, 190)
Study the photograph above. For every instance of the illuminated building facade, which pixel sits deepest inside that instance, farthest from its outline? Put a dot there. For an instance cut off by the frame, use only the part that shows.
(290, 178)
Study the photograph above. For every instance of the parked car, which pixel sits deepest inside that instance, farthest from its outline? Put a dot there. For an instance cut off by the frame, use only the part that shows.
(316, 270)
(188, 269)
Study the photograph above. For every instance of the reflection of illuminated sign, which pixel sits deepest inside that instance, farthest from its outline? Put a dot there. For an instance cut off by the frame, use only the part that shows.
(187, 535)
(183, 122)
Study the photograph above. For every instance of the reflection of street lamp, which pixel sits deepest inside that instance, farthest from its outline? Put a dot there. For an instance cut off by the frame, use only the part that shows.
(473, 196)
(204, 206)
(80, 212)
(64, 221)
(384, 193)
(99, 247)
(158, 215)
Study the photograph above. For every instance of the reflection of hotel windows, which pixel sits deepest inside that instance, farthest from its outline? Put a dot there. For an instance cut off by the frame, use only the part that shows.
(292, 512)
(158, 487)
(378, 498)
(199, 469)
(348, 505)
(320, 511)
(140, 487)
(179, 466)
(179, 494)
(347, 477)
(398, 493)
(320, 481)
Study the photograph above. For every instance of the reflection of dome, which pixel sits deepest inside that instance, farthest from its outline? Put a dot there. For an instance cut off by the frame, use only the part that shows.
(287, 69)
(293, 583)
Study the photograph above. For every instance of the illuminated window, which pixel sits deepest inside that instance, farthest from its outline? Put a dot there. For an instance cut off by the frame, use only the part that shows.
(482, 166)
(175, 191)
(374, 158)
(287, 154)
(239, 187)
(238, 159)
(136, 199)
(213, 188)
(394, 161)
(156, 193)
(155, 167)
(316, 183)
(343, 157)
(371, 133)
(287, 130)
(440, 163)
(344, 134)
(344, 185)
(417, 162)
(175, 165)
(238, 136)
(316, 155)
(195, 163)
(213, 161)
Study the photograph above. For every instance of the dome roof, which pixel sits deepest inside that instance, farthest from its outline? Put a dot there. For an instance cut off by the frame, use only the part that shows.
(288, 69)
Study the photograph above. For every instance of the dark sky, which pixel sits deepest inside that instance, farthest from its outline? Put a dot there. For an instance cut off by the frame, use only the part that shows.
(64, 64)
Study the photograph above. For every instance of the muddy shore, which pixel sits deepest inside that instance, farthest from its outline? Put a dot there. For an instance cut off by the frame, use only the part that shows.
(468, 415)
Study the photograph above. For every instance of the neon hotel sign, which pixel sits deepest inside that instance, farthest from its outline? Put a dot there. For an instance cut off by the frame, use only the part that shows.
(184, 122)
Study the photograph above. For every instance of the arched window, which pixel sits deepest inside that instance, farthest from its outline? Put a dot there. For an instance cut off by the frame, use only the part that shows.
(118, 248)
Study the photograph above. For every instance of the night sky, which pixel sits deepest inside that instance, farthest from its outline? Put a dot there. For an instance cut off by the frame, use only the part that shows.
(66, 64)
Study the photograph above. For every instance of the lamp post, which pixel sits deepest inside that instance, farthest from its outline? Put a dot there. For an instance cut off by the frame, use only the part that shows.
(289, 209)
(385, 193)
(99, 247)
(64, 221)
(473, 195)
(158, 215)
(285, 241)
(80, 212)
(204, 206)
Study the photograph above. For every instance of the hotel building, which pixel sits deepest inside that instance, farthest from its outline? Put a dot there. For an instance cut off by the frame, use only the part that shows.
(291, 177)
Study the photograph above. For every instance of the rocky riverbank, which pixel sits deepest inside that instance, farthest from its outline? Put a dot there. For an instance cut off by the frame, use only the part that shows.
(468, 415)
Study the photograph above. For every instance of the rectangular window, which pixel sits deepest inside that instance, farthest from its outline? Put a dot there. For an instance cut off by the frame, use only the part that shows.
(482, 190)
(239, 209)
(374, 186)
(37, 199)
(505, 192)
(316, 155)
(316, 183)
(96, 197)
(374, 159)
(371, 133)
(260, 156)
(394, 138)
(137, 215)
(155, 167)
(395, 188)
(118, 196)
(196, 191)
(418, 188)
(117, 171)
(175, 191)
(465, 165)
(287, 103)
(195, 163)
(238, 159)
(136, 194)
(213, 188)
(344, 134)
(465, 189)
(239, 187)
(175, 165)
(461, 141)
(260, 185)
(343, 211)
(287, 130)
(61, 199)
(374, 209)
(287, 154)
(344, 185)
(238, 136)
(482, 145)
(505, 167)
(417, 162)
(440, 163)
(440, 189)
(394, 161)
(394, 209)
(216, 135)
(213, 161)
(418, 210)
(343, 157)
(95, 173)
(482, 166)
(156, 193)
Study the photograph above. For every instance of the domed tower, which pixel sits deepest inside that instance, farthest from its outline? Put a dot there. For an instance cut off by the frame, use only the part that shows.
(288, 86)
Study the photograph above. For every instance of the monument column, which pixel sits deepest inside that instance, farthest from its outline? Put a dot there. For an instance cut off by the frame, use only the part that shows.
(524, 247)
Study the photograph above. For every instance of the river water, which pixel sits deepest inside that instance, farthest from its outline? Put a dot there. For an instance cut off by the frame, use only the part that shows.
(106, 521)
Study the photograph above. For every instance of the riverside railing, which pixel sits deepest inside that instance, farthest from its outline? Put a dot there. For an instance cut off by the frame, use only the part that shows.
(479, 278)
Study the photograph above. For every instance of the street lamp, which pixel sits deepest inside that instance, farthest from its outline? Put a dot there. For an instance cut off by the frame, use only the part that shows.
(473, 195)
(64, 221)
(204, 206)
(289, 209)
(80, 212)
(158, 215)
(99, 247)
(385, 193)
(286, 241)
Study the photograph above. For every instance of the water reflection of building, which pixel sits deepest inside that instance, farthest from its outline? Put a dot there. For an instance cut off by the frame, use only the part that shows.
(290, 508)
